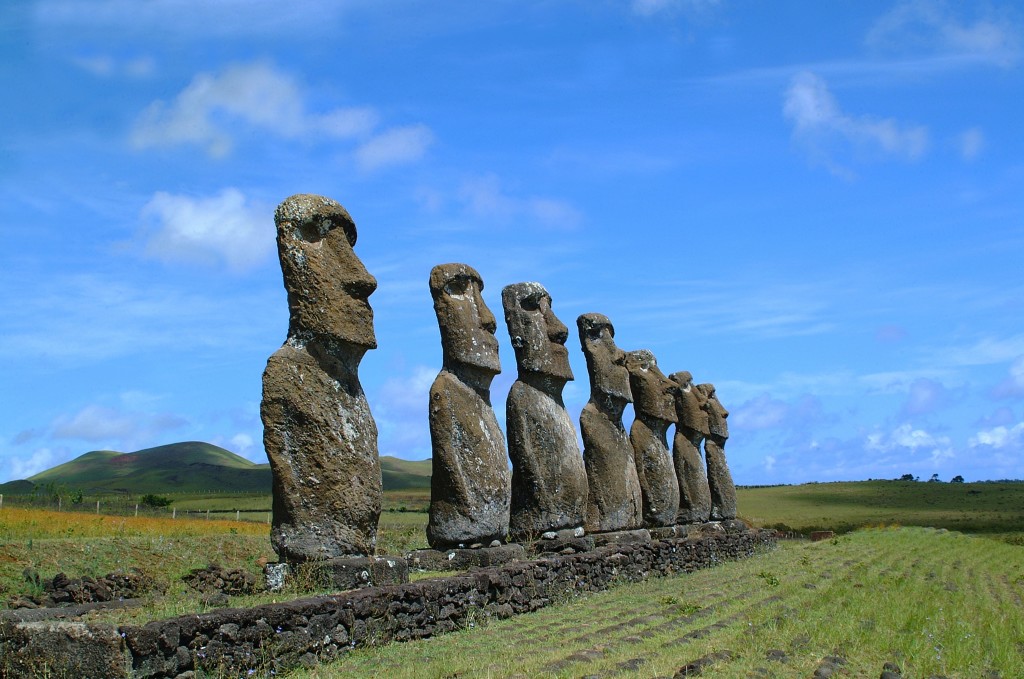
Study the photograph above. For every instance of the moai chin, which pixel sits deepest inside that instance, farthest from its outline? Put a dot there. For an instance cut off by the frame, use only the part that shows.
(691, 429)
(549, 481)
(723, 491)
(470, 486)
(654, 403)
(317, 428)
(614, 488)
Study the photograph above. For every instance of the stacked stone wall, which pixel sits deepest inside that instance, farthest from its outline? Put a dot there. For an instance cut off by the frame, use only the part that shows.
(316, 629)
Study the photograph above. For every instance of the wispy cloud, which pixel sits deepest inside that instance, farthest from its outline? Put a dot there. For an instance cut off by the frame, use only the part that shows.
(913, 441)
(827, 132)
(971, 143)
(935, 27)
(396, 146)
(257, 95)
(485, 197)
(652, 7)
(1013, 385)
(106, 66)
(222, 229)
(97, 423)
(925, 396)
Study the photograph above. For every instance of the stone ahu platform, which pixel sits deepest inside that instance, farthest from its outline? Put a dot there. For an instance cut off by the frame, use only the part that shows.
(274, 637)
(350, 572)
(460, 559)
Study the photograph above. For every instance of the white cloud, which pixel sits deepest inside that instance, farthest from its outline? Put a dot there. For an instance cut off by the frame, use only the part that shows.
(212, 106)
(195, 18)
(652, 7)
(912, 441)
(926, 25)
(23, 467)
(224, 228)
(925, 396)
(826, 130)
(484, 197)
(397, 146)
(1013, 385)
(971, 143)
(1000, 437)
(96, 423)
(762, 412)
(105, 66)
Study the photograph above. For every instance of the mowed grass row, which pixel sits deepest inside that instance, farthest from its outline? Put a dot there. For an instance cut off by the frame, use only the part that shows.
(931, 601)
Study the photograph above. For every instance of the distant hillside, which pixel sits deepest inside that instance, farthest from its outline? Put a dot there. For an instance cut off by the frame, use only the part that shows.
(188, 468)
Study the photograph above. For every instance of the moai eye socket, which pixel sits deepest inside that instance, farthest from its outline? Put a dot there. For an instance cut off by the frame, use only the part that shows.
(457, 286)
(529, 303)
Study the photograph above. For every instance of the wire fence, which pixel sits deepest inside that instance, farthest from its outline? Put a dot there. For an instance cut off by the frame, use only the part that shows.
(119, 506)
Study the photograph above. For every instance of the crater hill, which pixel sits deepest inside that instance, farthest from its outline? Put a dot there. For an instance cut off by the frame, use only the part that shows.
(189, 467)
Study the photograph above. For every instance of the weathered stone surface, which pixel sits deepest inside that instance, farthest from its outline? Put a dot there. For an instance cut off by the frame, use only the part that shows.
(692, 427)
(723, 491)
(470, 486)
(614, 501)
(654, 403)
(549, 481)
(318, 431)
(638, 536)
(353, 572)
(62, 649)
(460, 559)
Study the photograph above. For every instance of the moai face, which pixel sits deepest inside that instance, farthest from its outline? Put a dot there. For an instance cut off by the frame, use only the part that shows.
(315, 239)
(653, 393)
(605, 360)
(467, 325)
(717, 414)
(690, 403)
(538, 337)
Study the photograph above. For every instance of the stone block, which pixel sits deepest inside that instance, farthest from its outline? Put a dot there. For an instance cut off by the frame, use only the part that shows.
(459, 559)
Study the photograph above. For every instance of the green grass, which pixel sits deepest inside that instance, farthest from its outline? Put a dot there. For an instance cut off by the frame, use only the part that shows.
(965, 507)
(933, 602)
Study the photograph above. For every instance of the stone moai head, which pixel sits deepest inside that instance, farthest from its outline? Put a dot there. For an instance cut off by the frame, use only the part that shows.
(538, 337)
(654, 394)
(467, 325)
(605, 361)
(315, 236)
(690, 403)
(717, 414)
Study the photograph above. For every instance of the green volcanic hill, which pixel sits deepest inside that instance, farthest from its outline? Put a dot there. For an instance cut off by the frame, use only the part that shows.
(190, 467)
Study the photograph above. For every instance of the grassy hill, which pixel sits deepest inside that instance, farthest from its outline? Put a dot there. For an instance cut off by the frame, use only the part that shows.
(190, 467)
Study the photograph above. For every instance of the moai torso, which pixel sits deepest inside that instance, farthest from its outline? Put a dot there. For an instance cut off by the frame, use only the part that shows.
(723, 491)
(691, 428)
(614, 499)
(470, 484)
(318, 431)
(654, 405)
(549, 481)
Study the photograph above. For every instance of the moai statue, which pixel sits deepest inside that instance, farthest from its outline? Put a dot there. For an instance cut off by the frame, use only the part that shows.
(691, 429)
(654, 403)
(317, 428)
(549, 481)
(470, 486)
(723, 491)
(613, 502)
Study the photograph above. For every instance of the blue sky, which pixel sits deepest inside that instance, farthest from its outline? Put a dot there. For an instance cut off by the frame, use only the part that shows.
(819, 207)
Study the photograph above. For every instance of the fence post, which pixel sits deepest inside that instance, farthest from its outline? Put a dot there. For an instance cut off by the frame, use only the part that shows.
(59, 503)
(136, 509)
(207, 514)
(97, 506)
(236, 515)
(1, 500)
(174, 513)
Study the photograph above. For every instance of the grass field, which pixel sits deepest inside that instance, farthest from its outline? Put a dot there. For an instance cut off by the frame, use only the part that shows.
(932, 602)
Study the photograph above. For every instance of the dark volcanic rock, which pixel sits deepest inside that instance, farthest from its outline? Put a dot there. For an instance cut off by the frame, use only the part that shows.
(318, 431)
(694, 493)
(654, 405)
(723, 492)
(470, 486)
(549, 481)
(614, 499)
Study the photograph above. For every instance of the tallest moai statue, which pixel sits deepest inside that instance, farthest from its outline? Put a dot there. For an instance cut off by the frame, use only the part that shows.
(317, 428)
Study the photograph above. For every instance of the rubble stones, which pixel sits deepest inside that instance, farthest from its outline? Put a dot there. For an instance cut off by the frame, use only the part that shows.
(654, 405)
(470, 486)
(692, 427)
(614, 500)
(549, 481)
(319, 434)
